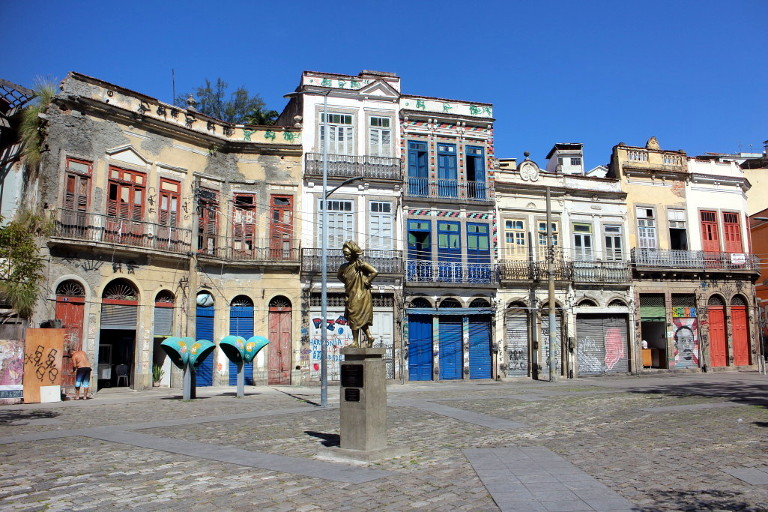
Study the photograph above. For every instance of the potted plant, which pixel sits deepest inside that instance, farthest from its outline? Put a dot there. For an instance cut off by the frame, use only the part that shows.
(157, 374)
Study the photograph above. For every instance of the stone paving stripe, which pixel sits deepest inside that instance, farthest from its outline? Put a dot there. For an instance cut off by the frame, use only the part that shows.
(754, 476)
(476, 418)
(55, 434)
(536, 479)
(229, 454)
(691, 407)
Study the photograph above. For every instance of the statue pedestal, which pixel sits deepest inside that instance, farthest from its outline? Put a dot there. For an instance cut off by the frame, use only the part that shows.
(363, 408)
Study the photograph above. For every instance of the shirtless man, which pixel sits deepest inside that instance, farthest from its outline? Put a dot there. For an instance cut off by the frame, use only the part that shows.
(82, 367)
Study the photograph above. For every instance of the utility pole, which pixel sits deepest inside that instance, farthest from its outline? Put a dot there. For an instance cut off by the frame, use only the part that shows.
(189, 385)
(551, 283)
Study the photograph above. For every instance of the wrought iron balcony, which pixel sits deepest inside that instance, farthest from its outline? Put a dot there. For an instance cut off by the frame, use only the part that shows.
(261, 251)
(424, 271)
(100, 228)
(602, 272)
(528, 270)
(385, 261)
(478, 191)
(349, 166)
(694, 261)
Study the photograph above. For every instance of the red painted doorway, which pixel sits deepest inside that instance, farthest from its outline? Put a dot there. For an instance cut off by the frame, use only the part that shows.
(279, 360)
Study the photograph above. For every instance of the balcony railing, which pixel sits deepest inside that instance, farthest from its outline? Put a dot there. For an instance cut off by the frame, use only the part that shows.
(449, 189)
(349, 166)
(526, 270)
(421, 271)
(94, 227)
(385, 261)
(263, 251)
(694, 260)
(602, 271)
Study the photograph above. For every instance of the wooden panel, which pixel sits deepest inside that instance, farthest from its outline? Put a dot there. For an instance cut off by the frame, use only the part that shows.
(43, 351)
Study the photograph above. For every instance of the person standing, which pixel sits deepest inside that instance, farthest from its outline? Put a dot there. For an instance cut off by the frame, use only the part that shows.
(357, 275)
(82, 366)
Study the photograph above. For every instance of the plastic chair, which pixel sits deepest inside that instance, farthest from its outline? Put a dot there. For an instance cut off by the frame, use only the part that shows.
(122, 373)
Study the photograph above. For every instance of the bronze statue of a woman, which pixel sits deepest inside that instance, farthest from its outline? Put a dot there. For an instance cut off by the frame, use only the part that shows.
(357, 275)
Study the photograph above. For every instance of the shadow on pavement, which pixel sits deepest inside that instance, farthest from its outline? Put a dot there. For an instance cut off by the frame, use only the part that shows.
(705, 499)
(8, 417)
(298, 397)
(328, 439)
(740, 392)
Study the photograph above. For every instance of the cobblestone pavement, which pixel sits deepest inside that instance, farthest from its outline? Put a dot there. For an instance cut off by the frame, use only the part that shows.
(666, 442)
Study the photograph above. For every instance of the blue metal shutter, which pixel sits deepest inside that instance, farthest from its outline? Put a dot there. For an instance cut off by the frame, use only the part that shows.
(450, 348)
(419, 347)
(204, 331)
(241, 324)
(479, 348)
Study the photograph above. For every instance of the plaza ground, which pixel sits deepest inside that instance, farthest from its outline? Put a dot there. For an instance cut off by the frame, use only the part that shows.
(690, 441)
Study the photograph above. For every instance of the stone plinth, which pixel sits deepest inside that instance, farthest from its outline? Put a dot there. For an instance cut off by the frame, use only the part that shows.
(363, 401)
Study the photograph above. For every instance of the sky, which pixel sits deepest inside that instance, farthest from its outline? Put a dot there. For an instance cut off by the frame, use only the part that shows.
(692, 73)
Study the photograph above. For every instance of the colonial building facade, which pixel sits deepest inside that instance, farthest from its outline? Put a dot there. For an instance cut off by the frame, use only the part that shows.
(168, 222)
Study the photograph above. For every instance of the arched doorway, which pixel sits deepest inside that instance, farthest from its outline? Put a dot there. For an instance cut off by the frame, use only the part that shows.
(517, 340)
(70, 309)
(279, 360)
(204, 331)
(420, 341)
(241, 324)
(480, 358)
(740, 331)
(450, 332)
(162, 329)
(718, 349)
(117, 346)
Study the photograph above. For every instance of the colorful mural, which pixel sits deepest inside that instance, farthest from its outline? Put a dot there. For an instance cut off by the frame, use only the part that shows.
(11, 368)
(686, 340)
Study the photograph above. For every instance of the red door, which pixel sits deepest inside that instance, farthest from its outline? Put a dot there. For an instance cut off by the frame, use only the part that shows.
(70, 311)
(717, 346)
(279, 360)
(740, 335)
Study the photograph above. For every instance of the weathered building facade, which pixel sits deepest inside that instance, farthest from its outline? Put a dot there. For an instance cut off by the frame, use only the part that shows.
(361, 159)
(449, 215)
(693, 271)
(590, 272)
(168, 222)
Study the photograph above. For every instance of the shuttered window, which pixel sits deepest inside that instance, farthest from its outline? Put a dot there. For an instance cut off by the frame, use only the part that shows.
(126, 194)
(380, 223)
(732, 233)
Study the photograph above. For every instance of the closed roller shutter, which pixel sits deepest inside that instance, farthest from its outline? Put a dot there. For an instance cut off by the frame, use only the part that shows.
(204, 330)
(163, 321)
(602, 344)
(419, 347)
(118, 316)
(545, 343)
(517, 345)
(450, 348)
(240, 324)
(479, 348)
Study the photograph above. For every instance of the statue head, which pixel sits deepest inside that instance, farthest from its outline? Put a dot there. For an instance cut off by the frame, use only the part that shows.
(351, 250)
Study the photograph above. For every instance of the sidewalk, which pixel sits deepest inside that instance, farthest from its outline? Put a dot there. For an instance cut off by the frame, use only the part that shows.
(667, 442)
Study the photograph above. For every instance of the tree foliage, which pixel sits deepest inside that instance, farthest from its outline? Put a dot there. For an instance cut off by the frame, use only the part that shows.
(21, 266)
(31, 131)
(239, 107)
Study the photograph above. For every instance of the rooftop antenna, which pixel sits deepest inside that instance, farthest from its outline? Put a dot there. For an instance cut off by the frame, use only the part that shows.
(173, 86)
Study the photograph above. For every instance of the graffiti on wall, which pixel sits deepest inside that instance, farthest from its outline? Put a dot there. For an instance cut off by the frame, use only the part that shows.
(43, 364)
(11, 368)
(686, 342)
(338, 336)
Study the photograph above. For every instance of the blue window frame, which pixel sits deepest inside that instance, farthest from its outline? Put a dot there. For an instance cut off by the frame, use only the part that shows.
(475, 156)
(449, 251)
(418, 170)
(419, 250)
(478, 252)
(447, 179)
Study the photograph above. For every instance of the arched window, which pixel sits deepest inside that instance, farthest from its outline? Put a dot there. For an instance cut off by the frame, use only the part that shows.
(70, 288)
(450, 303)
(616, 303)
(120, 289)
(241, 301)
(716, 300)
(588, 303)
(420, 302)
(479, 303)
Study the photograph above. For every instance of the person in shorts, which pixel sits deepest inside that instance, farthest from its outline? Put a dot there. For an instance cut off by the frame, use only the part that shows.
(82, 366)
